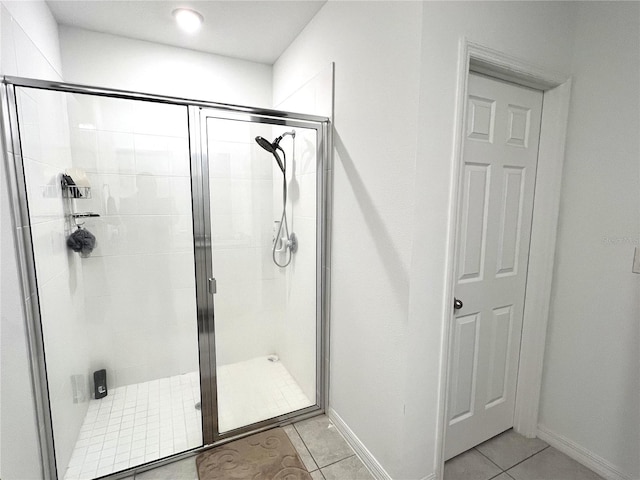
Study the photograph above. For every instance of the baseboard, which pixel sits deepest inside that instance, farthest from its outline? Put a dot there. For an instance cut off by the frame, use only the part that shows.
(365, 455)
(582, 455)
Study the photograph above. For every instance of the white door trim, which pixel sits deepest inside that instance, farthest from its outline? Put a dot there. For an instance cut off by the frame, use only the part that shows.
(555, 110)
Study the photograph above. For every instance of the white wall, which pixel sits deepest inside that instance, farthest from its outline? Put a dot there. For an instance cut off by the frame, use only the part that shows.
(375, 46)
(104, 60)
(29, 47)
(537, 32)
(394, 135)
(591, 387)
(395, 101)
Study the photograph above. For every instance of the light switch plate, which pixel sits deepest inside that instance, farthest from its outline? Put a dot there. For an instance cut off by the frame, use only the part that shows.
(636, 261)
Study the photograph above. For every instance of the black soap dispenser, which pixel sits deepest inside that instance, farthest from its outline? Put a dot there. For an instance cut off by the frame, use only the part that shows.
(100, 383)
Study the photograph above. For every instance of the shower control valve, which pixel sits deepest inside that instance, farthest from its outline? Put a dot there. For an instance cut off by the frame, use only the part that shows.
(290, 243)
(293, 243)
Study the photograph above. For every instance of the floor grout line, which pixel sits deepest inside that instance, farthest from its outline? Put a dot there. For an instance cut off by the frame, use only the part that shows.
(512, 466)
(495, 476)
(337, 461)
(306, 446)
(314, 458)
(525, 459)
(501, 469)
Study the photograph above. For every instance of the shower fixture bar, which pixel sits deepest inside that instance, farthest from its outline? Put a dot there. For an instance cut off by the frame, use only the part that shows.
(278, 117)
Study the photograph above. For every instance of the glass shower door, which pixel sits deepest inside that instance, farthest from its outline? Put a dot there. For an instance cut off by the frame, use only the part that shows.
(117, 304)
(174, 270)
(265, 268)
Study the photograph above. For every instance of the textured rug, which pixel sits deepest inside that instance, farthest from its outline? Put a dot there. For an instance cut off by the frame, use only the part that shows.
(264, 456)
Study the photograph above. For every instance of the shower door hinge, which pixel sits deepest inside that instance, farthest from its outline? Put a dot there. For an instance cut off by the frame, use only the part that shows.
(213, 286)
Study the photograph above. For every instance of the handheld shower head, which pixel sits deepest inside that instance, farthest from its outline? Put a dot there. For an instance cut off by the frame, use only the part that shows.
(266, 144)
(288, 242)
(271, 148)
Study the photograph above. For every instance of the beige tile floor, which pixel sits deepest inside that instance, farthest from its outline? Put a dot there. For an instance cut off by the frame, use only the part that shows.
(324, 452)
(510, 456)
(327, 456)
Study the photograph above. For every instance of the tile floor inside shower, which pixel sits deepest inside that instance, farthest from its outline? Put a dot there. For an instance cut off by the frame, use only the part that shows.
(139, 423)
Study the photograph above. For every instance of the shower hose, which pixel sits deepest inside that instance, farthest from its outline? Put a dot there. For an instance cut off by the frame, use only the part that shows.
(283, 219)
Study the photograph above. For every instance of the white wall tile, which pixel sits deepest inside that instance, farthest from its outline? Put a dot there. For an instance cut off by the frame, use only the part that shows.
(220, 130)
(45, 138)
(297, 334)
(65, 347)
(116, 153)
(39, 24)
(140, 279)
(84, 149)
(219, 164)
(179, 157)
(181, 188)
(44, 191)
(152, 155)
(30, 61)
(160, 119)
(182, 234)
(112, 114)
(303, 204)
(7, 44)
(305, 152)
(52, 255)
(153, 195)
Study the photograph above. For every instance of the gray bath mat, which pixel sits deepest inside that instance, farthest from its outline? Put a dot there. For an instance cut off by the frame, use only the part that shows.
(264, 456)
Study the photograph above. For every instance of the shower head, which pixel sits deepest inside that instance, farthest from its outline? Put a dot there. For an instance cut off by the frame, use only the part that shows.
(275, 145)
(271, 148)
(266, 144)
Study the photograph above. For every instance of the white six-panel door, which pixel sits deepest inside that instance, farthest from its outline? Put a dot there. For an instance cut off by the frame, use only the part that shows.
(494, 226)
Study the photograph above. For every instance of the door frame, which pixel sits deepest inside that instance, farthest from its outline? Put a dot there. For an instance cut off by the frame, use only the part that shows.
(556, 88)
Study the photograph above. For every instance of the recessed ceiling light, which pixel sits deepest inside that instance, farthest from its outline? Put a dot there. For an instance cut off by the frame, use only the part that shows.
(188, 20)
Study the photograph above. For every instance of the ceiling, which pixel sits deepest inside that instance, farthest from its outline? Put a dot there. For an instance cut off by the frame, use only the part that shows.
(252, 30)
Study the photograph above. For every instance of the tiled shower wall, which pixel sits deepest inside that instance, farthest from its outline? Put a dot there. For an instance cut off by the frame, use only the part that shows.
(32, 53)
(247, 303)
(297, 324)
(45, 148)
(297, 327)
(139, 281)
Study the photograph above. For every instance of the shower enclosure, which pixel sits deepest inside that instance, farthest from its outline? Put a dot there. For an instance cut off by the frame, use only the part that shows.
(207, 325)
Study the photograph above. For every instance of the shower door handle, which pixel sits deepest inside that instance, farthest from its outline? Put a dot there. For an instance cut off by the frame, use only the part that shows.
(213, 286)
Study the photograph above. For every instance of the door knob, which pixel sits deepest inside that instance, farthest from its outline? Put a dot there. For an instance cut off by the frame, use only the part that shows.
(457, 304)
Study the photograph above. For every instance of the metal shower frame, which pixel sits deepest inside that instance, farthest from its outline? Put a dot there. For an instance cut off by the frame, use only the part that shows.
(197, 111)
